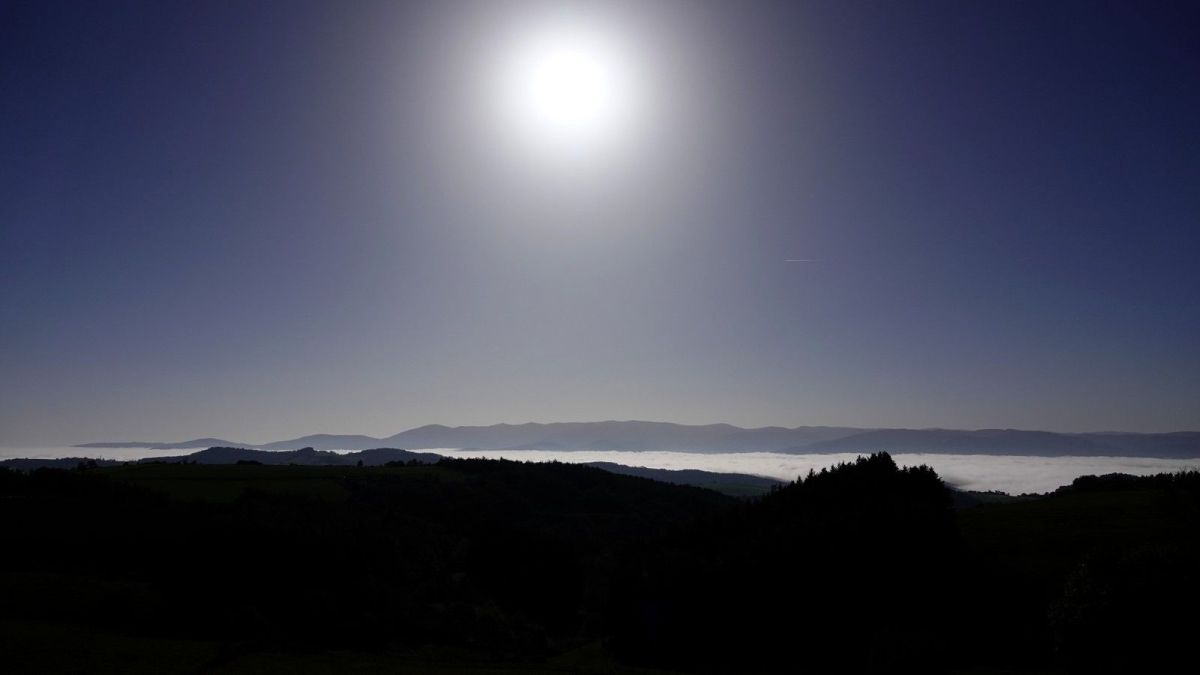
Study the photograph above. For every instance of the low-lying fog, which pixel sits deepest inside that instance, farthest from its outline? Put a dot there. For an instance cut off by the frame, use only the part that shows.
(1006, 473)
(1012, 474)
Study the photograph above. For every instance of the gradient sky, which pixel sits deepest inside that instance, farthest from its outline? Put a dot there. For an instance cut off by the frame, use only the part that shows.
(257, 220)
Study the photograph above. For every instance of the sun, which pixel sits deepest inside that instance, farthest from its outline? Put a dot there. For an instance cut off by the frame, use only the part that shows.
(568, 90)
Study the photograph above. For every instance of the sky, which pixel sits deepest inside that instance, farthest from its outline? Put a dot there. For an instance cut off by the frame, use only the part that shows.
(262, 220)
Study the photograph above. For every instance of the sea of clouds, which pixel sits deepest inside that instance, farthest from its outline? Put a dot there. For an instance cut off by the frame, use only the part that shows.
(1007, 473)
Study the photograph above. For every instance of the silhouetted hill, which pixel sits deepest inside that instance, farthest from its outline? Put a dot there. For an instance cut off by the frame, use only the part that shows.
(32, 464)
(855, 563)
(739, 485)
(507, 559)
(472, 565)
(1098, 577)
(302, 457)
(734, 484)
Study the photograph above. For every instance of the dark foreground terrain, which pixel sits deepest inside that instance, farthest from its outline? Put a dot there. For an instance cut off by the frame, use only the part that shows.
(502, 567)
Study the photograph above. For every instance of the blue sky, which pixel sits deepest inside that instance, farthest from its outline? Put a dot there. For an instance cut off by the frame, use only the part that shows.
(258, 220)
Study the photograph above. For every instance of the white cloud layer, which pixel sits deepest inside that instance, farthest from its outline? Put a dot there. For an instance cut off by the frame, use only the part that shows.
(1012, 474)
(1007, 473)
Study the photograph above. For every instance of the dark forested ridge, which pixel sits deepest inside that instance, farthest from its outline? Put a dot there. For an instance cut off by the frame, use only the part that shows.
(302, 457)
(734, 484)
(508, 567)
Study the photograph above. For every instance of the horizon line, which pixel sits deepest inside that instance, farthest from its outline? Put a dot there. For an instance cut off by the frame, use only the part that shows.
(645, 421)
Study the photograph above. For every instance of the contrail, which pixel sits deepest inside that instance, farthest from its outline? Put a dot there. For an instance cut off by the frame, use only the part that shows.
(799, 260)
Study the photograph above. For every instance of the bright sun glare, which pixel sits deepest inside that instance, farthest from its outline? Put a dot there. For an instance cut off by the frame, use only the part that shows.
(568, 90)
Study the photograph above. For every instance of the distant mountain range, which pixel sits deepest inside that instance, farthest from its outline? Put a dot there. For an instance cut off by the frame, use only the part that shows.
(634, 435)
(154, 445)
(1176, 445)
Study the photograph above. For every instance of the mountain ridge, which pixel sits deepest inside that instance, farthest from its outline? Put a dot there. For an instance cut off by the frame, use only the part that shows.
(732, 484)
(635, 435)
